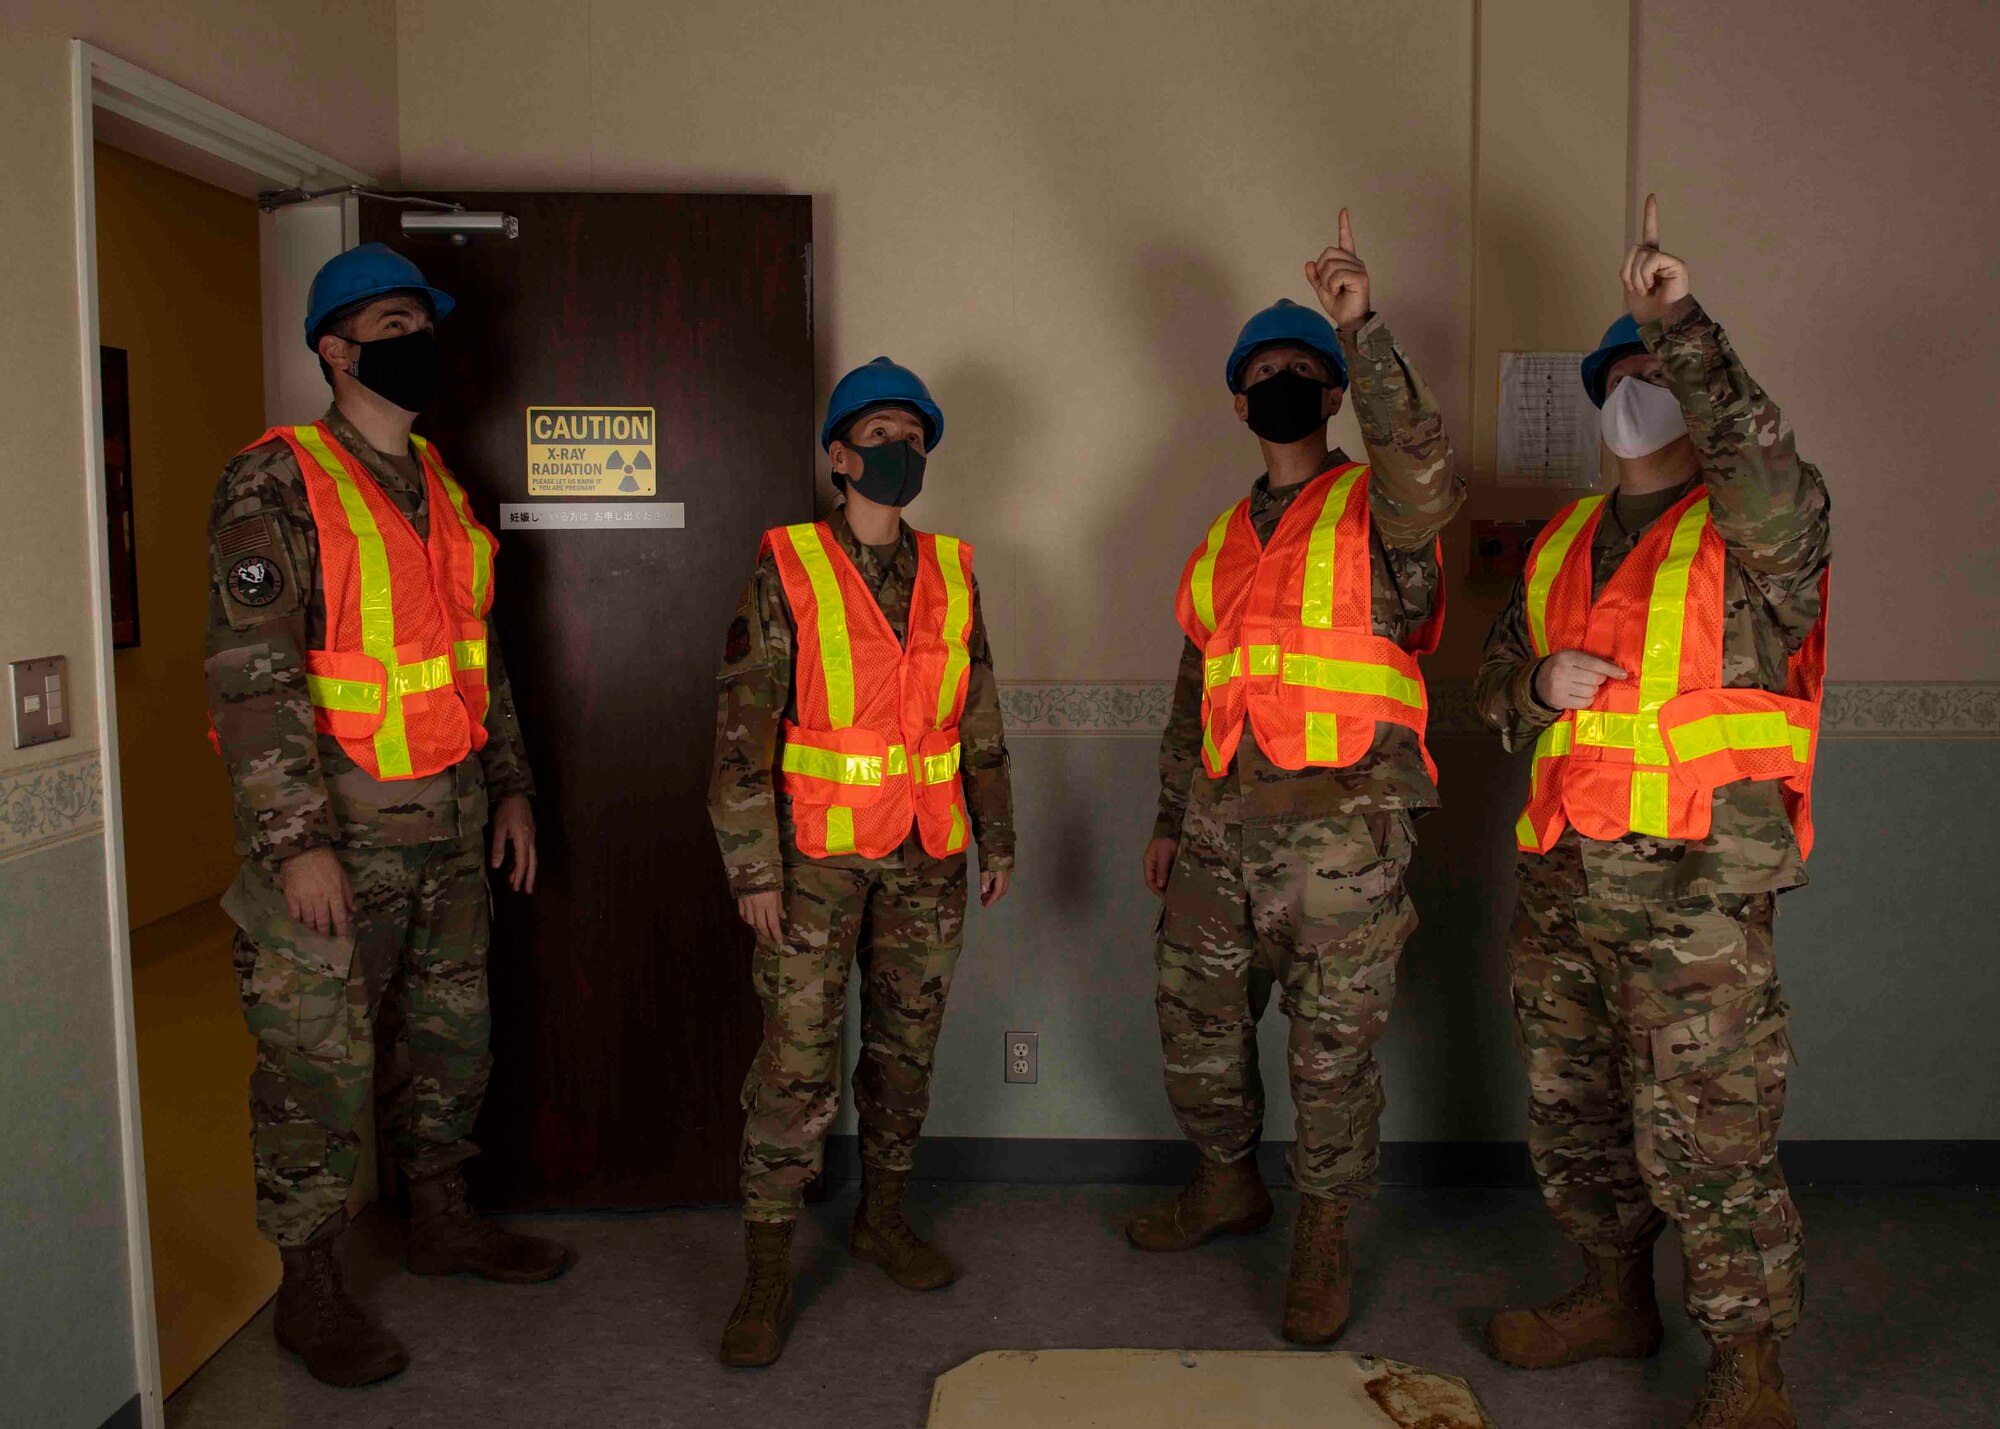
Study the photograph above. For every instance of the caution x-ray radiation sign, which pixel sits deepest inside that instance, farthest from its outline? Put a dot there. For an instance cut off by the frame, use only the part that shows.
(591, 451)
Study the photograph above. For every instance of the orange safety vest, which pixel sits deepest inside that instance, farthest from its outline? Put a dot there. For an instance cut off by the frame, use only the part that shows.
(402, 680)
(876, 745)
(1288, 637)
(1652, 749)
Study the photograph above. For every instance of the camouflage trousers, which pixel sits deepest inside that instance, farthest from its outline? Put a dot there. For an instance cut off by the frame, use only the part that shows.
(398, 1008)
(1316, 909)
(1657, 1056)
(903, 930)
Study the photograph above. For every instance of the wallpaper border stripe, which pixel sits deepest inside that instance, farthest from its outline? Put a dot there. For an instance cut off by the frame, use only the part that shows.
(1138, 709)
(50, 803)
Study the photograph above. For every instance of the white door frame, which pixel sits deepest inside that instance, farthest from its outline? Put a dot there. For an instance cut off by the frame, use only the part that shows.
(102, 81)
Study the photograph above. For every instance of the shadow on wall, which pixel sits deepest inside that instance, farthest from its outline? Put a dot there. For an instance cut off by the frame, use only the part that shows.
(1451, 1060)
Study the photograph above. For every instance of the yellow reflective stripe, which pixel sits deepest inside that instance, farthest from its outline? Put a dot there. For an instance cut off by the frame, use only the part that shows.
(431, 674)
(899, 760)
(482, 544)
(942, 768)
(1203, 580)
(1666, 615)
(1221, 669)
(351, 696)
(1322, 735)
(1552, 743)
(956, 840)
(1649, 802)
(1316, 594)
(1607, 729)
(957, 602)
(832, 765)
(1746, 729)
(1356, 677)
(377, 600)
(835, 658)
(1548, 564)
(469, 654)
(1210, 753)
(839, 829)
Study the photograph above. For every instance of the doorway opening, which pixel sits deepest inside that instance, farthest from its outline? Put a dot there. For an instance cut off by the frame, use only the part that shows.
(186, 290)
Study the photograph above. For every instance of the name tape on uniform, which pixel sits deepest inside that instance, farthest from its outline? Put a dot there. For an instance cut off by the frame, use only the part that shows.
(592, 451)
(599, 516)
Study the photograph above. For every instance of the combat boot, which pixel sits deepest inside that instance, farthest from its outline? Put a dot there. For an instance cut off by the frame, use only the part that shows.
(1745, 1388)
(1613, 1314)
(882, 1237)
(447, 1239)
(1322, 1274)
(755, 1334)
(1223, 1199)
(318, 1321)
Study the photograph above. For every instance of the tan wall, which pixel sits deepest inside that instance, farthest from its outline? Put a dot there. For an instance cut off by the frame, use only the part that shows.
(323, 75)
(1059, 213)
(1821, 167)
(177, 274)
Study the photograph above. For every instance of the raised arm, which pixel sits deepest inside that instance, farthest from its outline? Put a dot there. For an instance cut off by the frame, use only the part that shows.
(1415, 488)
(1767, 504)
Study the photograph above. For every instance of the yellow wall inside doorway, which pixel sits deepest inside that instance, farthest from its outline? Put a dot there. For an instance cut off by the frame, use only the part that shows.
(178, 289)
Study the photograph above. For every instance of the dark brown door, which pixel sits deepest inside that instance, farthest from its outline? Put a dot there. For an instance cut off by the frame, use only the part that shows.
(623, 1016)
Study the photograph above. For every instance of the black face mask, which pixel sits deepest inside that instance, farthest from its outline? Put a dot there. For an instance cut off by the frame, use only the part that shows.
(891, 474)
(1287, 407)
(402, 370)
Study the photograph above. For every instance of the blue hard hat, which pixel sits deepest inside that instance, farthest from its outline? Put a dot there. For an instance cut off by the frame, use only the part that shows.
(1621, 339)
(362, 273)
(1287, 322)
(881, 383)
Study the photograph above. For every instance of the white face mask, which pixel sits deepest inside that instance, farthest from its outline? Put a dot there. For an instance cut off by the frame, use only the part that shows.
(1639, 418)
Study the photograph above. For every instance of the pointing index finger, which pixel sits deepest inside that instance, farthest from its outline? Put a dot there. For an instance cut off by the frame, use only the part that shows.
(1649, 231)
(1346, 232)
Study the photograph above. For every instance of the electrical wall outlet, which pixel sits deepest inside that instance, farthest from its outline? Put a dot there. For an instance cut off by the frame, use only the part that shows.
(1023, 1057)
(40, 691)
(1500, 549)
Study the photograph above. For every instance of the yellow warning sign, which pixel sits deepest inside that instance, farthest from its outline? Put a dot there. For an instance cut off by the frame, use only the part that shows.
(591, 451)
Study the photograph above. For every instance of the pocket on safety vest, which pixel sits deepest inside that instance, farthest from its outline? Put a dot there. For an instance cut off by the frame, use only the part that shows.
(349, 693)
(844, 768)
(293, 980)
(1721, 1082)
(1721, 736)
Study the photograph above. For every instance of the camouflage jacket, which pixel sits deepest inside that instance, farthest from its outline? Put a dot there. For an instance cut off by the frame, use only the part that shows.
(753, 820)
(1771, 510)
(1414, 490)
(295, 789)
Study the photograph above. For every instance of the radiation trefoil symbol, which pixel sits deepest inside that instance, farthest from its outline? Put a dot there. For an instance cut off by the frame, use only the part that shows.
(639, 462)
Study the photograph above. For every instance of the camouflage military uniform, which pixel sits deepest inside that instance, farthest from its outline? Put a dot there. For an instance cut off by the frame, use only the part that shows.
(1644, 973)
(1294, 878)
(407, 991)
(902, 914)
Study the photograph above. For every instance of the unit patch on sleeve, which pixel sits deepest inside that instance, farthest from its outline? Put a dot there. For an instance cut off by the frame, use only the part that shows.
(253, 570)
(256, 581)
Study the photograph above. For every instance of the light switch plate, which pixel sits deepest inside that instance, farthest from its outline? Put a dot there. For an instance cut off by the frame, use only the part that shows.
(40, 696)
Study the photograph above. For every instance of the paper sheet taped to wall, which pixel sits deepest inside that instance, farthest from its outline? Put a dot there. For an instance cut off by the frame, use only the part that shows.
(1547, 433)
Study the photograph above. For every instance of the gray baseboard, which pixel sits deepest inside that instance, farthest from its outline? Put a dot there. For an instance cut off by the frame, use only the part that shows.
(1404, 1163)
(125, 1416)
